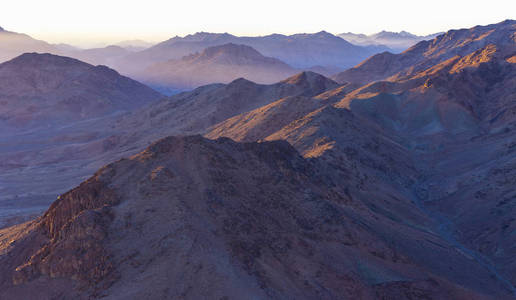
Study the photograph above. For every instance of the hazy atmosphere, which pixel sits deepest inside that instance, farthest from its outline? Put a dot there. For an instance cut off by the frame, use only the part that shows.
(99, 22)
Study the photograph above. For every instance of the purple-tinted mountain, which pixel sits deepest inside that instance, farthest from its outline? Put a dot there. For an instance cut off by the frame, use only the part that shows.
(299, 50)
(39, 165)
(218, 64)
(397, 41)
(13, 44)
(49, 105)
(43, 90)
(234, 220)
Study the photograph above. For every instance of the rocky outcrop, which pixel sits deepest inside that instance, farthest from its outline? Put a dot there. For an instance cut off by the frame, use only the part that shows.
(74, 228)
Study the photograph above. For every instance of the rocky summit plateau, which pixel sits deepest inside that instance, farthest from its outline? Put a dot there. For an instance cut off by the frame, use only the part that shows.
(262, 179)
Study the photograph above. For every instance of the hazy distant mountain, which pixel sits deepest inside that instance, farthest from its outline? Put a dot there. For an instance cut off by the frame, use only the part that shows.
(397, 41)
(321, 52)
(135, 45)
(44, 89)
(100, 56)
(218, 64)
(299, 50)
(13, 44)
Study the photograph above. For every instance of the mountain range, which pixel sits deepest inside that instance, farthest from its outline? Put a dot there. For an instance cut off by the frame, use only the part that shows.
(397, 41)
(13, 44)
(392, 180)
(299, 50)
(170, 66)
(422, 56)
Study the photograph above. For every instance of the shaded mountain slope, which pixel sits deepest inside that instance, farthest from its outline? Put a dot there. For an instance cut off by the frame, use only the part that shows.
(193, 112)
(233, 220)
(464, 95)
(39, 165)
(49, 107)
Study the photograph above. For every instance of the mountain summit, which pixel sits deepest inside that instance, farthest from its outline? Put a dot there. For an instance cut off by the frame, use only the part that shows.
(232, 54)
(44, 89)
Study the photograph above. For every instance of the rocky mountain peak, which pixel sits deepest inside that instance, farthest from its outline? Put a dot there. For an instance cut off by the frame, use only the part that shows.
(311, 82)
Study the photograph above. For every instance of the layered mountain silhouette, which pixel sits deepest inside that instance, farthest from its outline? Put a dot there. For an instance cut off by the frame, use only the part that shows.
(218, 64)
(397, 41)
(299, 50)
(13, 44)
(397, 183)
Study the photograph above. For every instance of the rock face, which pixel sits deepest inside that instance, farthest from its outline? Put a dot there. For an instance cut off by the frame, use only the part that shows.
(218, 64)
(196, 218)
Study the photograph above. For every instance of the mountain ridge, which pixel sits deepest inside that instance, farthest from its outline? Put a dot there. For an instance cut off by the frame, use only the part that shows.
(427, 53)
(397, 41)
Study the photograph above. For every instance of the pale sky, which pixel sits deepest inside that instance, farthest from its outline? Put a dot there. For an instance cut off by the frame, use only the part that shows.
(97, 22)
